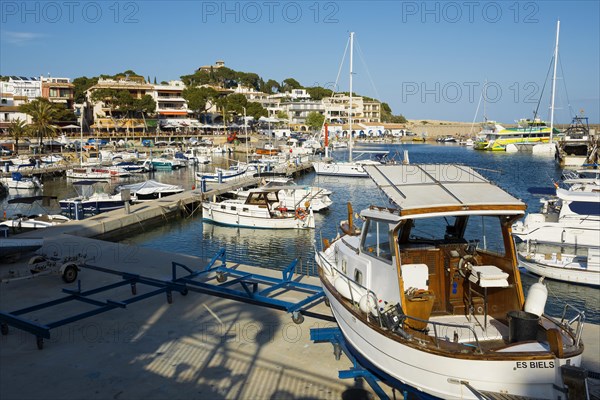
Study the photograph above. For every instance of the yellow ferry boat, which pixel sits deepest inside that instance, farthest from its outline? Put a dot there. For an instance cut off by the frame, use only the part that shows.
(527, 132)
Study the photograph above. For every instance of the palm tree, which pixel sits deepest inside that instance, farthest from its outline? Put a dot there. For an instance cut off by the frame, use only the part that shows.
(17, 129)
(43, 113)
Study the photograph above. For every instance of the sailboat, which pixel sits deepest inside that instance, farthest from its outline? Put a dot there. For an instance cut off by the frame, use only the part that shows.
(350, 168)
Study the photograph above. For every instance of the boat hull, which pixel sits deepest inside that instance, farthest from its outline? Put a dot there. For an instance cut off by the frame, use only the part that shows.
(254, 218)
(91, 207)
(340, 169)
(438, 375)
(574, 272)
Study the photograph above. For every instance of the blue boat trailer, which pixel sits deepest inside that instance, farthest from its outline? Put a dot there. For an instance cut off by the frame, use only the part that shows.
(230, 283)
(359, 366)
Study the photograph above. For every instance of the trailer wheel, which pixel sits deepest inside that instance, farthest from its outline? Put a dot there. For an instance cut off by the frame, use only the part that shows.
(297, 318)
(327, 302)
(221, 277)
(4, 329)
(169, 297)
(69, 274)
(40, 342)
(184, 292)
(36, 260)
(133, 289)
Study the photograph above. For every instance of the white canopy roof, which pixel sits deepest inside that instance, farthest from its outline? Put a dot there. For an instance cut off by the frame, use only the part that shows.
(439, 186)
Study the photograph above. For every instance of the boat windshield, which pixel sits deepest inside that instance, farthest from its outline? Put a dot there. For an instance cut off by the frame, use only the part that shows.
(376, 241)
(484, 231)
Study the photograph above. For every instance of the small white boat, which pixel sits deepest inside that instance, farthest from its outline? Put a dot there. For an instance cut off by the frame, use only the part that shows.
(17, 181)
(292, 195)
(351, 169)
(233, 173)
(570, 219)
(261, 209)
(100, 173)
(428, 293)
(150, 190)
(93, 199)
(581, 268)
(561, 242)
(24, 214)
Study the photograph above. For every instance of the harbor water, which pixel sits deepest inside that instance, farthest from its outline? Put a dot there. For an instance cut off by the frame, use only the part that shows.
(275, 249)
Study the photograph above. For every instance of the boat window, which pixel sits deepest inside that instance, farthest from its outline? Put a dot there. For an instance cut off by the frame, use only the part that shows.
(429, 230)
(358, 276)
(585, 208)
(376, 241)
(486, 231)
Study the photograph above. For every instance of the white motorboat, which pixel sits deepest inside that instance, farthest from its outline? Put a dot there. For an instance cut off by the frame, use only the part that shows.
(291, 195)
(100, 173)
(150, 190)
(17, 181)
(24, 214)
(93, 199)
(561, 242)
(233, 173)
(571, 219)
(428, 293)
(261, 209)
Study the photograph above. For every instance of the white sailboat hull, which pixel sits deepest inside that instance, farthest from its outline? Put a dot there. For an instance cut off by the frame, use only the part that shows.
(346, 169)
(567, 269)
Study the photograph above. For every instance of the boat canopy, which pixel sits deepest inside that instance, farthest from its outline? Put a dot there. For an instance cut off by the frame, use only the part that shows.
(150, 186)
(441, 188)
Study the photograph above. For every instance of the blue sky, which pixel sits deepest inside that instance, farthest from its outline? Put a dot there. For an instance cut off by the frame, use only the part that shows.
(425, 59)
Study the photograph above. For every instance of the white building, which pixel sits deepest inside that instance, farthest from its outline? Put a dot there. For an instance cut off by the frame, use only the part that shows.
(171, 108)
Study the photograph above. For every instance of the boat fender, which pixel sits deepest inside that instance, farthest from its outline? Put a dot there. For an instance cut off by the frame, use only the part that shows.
(536, 298)
(300, 213)
(343, 287)
(368, 304)
(282, 209)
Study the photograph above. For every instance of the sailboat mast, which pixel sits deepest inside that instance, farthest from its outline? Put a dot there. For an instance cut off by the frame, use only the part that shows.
(81, 135)
(350, 110)
(554, 82)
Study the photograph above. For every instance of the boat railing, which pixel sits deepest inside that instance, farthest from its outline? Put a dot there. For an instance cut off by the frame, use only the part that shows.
(578, 318)
(372, 300)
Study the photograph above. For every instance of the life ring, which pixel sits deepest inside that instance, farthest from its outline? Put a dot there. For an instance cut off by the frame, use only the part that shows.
(300, 213)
